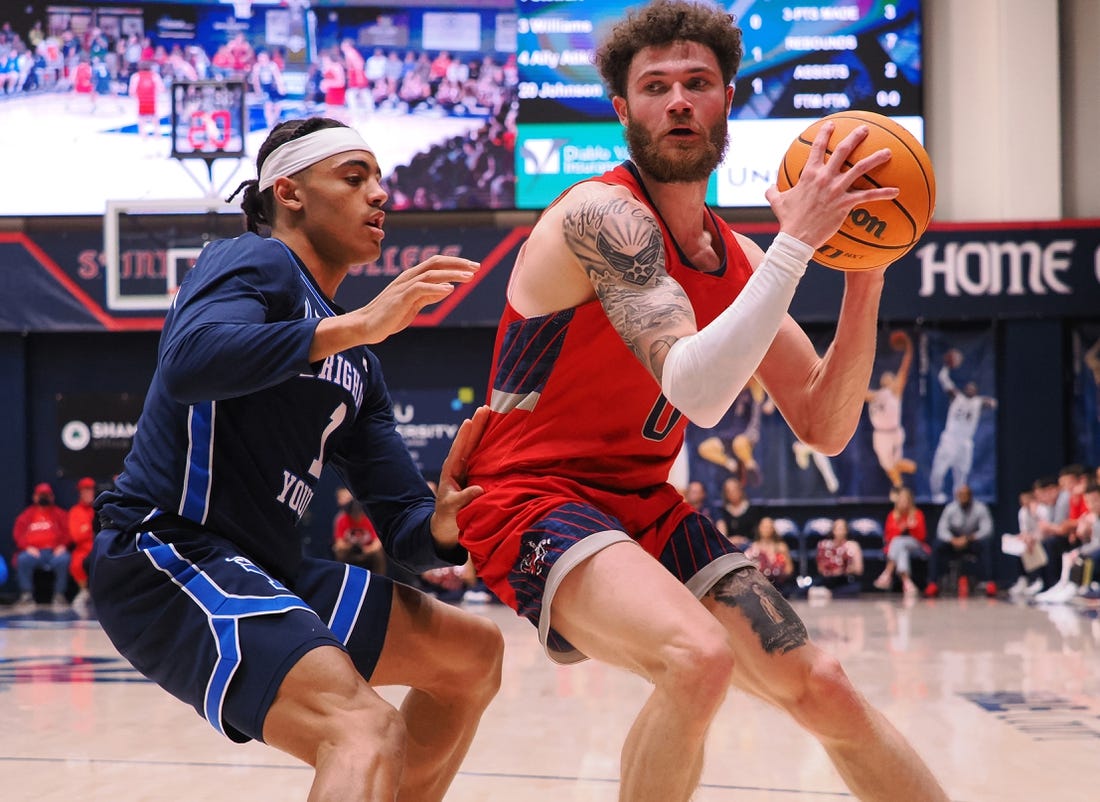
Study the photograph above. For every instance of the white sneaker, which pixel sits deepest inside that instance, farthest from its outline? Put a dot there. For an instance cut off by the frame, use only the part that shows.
(1065, 594)
(60, 604)
(1019, 589)
(1057, 594)
(1034, 588)
(25, 604)
(818, 593)
(1052, 592)
(82, 602)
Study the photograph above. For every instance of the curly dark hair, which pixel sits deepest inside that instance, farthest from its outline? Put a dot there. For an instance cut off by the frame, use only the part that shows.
(259, 207)
(663, 22)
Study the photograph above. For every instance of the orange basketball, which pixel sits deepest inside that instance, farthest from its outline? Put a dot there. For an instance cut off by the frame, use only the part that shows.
(877, 233)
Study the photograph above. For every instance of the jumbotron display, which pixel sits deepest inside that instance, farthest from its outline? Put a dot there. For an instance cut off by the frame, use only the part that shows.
(802, 61)
(469, 104)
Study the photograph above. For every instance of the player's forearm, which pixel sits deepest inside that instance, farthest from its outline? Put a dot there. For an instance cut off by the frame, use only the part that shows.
(704, 372)
(336, 334)
(837, 388)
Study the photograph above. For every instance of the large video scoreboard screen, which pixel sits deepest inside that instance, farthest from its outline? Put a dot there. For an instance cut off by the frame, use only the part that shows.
(802, 61)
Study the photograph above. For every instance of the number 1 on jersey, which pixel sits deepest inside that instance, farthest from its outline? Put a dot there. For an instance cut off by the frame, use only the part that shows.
(334, 420)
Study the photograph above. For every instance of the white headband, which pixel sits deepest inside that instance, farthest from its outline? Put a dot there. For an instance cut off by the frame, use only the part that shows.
(298, 154)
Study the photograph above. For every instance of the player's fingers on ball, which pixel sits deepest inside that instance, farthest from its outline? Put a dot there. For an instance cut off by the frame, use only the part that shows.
(821, 144)
(848, 144)
(869, 163)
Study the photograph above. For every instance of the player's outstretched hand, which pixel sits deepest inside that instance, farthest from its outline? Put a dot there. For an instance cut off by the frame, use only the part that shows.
(427, 283)
(815, 207)
(452, 494)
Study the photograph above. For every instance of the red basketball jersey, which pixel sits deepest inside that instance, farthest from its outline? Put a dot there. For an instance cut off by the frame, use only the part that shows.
(570, 399)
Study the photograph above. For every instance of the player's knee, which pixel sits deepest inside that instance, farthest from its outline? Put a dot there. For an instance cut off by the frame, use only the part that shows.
(470, 669)
(485, 645)
(362, 729)
(827, 703)
(699, 669)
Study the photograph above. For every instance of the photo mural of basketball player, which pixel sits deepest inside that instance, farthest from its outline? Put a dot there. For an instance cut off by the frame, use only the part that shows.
(956, 420)
(1086, 394)
(732, 443)
(884, 412)
(804, 455)
(955, 449)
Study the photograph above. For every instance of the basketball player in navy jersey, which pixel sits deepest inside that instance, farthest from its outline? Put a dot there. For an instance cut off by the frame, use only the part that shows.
(633, 307)
(198, 574)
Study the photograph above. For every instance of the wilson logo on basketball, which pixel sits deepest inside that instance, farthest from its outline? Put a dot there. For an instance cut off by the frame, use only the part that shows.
(872, 239)
(874, 226)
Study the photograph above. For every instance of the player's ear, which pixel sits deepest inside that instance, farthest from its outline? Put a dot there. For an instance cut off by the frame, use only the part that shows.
(286, 191)
(619, 104)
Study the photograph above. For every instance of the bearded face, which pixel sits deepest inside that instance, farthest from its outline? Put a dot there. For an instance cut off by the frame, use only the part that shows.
(674, 163)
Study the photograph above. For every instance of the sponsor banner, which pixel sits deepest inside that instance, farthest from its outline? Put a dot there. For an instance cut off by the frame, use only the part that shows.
(428, 421)
(54, 280)
(94, 433)
(551, 157)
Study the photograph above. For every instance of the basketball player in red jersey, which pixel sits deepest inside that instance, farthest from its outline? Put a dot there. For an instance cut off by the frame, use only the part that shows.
(145, 85)
(632, 307)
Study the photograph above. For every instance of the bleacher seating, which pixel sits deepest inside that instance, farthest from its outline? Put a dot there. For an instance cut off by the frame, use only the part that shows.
(791, 534)
(867, 532)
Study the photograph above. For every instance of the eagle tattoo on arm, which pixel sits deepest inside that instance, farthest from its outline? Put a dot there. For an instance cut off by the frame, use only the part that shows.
(620, 247)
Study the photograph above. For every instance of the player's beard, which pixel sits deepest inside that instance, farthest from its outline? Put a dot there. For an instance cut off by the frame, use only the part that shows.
(688, 165)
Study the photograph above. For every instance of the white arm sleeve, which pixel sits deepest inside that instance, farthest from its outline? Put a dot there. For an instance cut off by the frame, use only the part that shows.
(705, 371)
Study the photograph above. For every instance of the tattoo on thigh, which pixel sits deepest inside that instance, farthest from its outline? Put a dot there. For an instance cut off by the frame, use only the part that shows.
(773, 620)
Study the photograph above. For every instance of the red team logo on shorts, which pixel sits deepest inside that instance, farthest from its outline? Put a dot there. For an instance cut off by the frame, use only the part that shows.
(534, 554)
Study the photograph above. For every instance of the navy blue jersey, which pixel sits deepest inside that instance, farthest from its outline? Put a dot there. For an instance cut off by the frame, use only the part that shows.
(237, 423)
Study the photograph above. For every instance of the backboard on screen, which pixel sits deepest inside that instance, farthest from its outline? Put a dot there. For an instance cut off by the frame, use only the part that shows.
(208, 119)
(148, 247)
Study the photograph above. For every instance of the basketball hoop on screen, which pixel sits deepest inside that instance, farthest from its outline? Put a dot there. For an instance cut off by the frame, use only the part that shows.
(209, 122)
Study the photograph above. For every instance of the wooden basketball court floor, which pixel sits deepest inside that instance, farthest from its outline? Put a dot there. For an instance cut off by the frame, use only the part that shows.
(1002, 699)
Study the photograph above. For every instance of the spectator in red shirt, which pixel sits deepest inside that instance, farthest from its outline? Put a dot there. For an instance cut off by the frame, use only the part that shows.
(905, 535)
(41, 535)
(355, 540)
(81, 531)
(839, 562)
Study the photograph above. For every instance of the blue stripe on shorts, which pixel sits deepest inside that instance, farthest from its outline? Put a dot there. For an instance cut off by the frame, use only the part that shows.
(223, 610)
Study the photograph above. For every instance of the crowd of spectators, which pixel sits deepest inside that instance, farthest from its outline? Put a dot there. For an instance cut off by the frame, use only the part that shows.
(954, 550)
(345, 82)
(55, 542)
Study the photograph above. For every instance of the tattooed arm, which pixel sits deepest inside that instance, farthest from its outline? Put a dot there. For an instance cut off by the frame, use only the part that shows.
(618, 244)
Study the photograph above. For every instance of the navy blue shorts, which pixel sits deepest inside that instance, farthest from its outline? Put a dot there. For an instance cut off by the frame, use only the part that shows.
(200, 619)
(694, 552)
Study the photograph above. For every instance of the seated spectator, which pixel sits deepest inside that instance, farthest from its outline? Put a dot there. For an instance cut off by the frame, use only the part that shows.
(737, 518)
(1077, 564)
(355, 540)
(696, 495)
(905, 535)
(1054, 527)
(772, 556)
(82, 533)
(965, 534)
(41, 535)
(1032, 557)
(839, 562)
